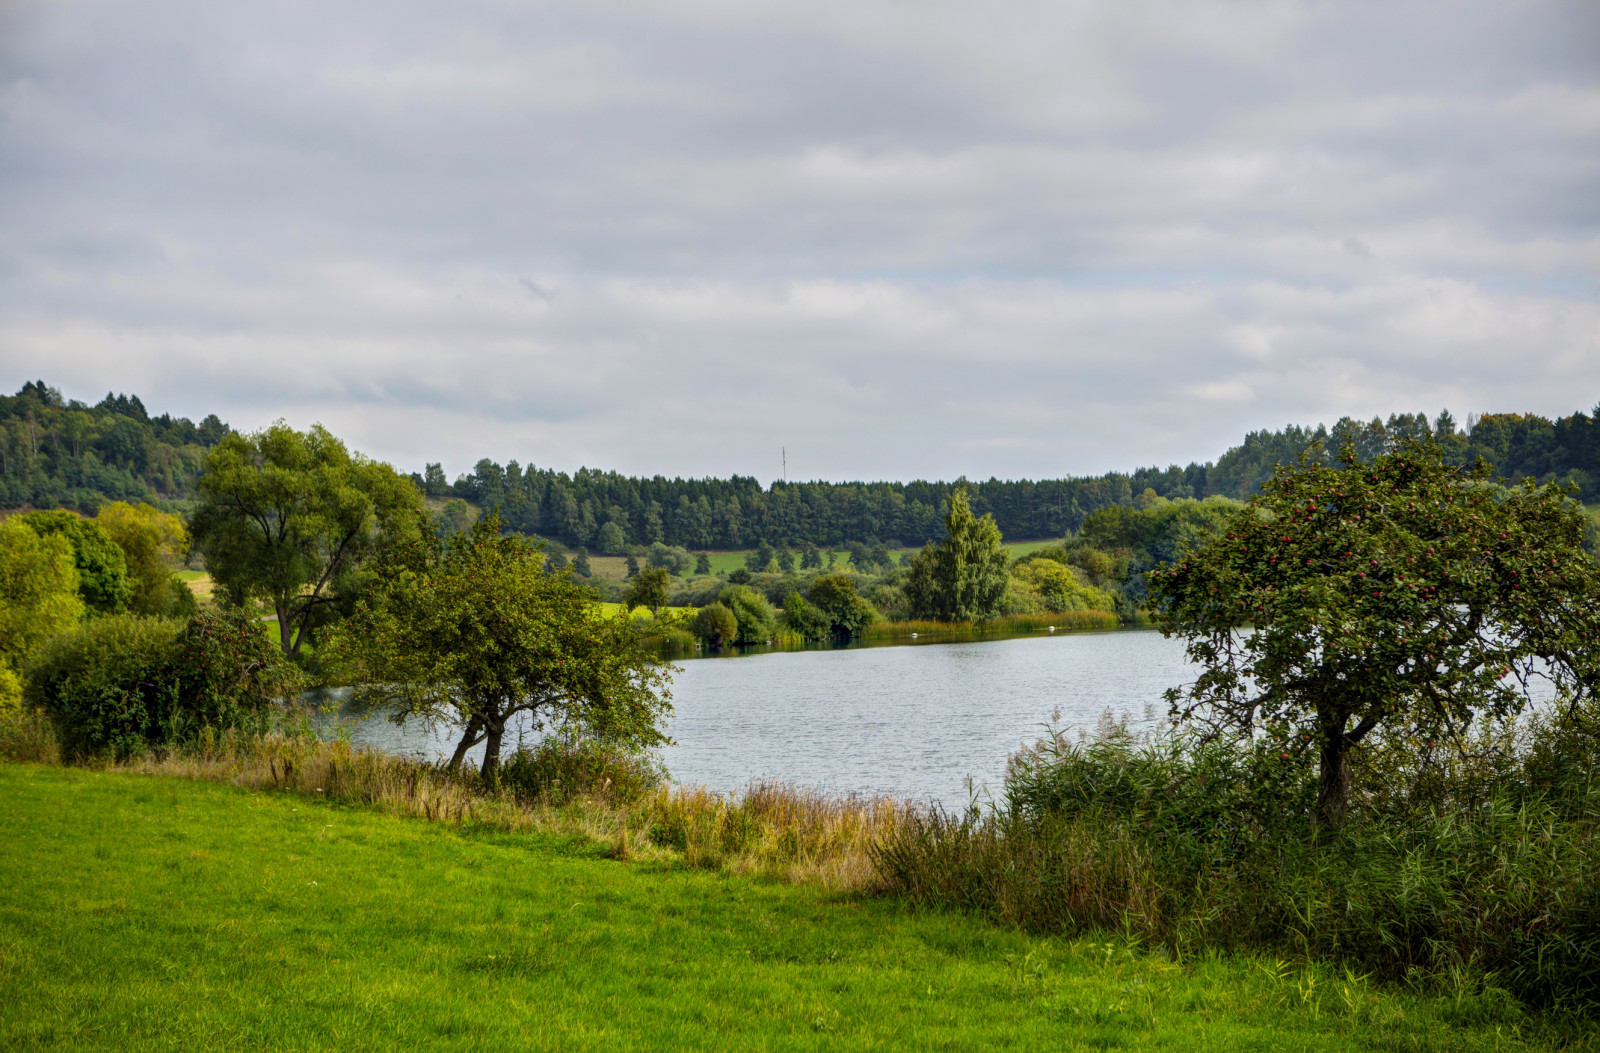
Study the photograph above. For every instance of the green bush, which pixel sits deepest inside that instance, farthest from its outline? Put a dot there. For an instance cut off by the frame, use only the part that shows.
(1483, 861)
(121, 684)
(715, 624)
(559, 770)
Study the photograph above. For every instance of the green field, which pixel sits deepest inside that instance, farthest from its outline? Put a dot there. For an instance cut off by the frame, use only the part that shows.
(159, 913)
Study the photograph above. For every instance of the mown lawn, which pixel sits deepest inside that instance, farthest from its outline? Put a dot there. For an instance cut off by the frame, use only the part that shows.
(156, 913)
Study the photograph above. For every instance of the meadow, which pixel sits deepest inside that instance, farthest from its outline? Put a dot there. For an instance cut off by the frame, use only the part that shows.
(156, 912)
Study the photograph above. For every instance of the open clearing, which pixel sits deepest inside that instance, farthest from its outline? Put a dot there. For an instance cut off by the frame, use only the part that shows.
(159, 913)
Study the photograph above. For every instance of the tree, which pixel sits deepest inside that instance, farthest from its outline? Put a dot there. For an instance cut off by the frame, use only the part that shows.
(580, 564)
(102, 568)
(633, 566)
(847, 612)
(757, 621)
(715, 624)
(702, 564)
(473, 631)
(153, 543)
(610, 539)
(648, 589)
(290, 518)
(39, 595)
(785, 561)
(1398, 596)
(757, 561)
(963, 577)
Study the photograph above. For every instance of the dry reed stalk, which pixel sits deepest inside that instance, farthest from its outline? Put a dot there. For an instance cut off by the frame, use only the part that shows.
(773, 829)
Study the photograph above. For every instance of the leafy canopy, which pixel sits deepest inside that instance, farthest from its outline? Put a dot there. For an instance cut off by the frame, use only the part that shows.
(102, 568)
(473, 630)
(290, 518)
(39, 595)
(1396, 596)
(964, 577)
(153, 543)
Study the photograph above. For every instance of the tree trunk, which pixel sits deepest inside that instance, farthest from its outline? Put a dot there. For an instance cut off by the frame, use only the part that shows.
(1333, 779)
(491, 751)
(469, 739)
(285, 632)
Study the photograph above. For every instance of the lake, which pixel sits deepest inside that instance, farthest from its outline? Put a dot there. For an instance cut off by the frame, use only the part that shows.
(917, 721)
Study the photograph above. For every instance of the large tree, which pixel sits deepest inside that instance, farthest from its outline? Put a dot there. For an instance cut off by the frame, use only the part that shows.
(39, 597)
(963, 577)
(290, 518)
(1398, 596)
(474, 630)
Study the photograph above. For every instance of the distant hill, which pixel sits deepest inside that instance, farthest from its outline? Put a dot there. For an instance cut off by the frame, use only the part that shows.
(58, 453)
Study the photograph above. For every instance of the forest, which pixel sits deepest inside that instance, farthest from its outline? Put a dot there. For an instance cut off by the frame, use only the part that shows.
(56, 452)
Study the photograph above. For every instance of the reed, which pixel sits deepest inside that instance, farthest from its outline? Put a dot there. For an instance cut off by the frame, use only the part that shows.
(1005, 624)
(1483, 862)
(621, 800)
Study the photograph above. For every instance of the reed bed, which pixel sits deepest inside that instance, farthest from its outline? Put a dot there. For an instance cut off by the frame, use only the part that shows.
(1005, 624)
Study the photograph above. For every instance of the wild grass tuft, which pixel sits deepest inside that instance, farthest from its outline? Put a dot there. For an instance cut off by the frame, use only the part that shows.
(1479, 867)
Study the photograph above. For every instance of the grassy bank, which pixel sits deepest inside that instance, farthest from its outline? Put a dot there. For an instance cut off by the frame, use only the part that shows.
(164, 913)
(1003, 625)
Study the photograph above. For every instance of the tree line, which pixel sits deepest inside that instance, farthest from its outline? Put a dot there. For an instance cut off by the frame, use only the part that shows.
(56, 452)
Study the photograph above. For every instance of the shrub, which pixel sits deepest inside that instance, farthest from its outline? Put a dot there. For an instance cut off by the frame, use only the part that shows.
(123, 683)
(559, 770)
(715, 624)
(105, 685)
(1485, 860)
(758, 622)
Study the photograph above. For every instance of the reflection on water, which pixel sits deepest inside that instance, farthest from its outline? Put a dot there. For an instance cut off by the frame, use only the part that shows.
(915, 721)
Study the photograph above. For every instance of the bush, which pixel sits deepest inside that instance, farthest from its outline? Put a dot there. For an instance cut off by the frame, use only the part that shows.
(758, 622)
(559, 770)
(715, 624)
(123, 683)
(1488, 863)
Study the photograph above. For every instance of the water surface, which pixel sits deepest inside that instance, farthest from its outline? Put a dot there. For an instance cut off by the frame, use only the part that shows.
(913, 721)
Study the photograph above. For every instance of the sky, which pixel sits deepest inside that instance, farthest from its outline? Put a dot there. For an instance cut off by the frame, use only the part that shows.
(889, 240)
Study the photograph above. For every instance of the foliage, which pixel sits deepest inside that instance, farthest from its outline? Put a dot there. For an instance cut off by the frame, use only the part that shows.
(290, 518)
(60, 453)
(102, 568)
(847, 613)
(804, 619)
(39, 595)
(1047, 585)
(715, 623)
(560, 770)
(648, 588)
(757, 621)
(963, 577)
(610, 539)
(674, 559)
(153, 543)
(1400, 595)
(1464, 872)
(702, 564)
(580, 564)
(763, 559)
(10, 692)
(473, 631)
(124, 683)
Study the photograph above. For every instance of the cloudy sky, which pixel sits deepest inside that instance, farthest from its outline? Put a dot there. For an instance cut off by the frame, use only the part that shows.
(897, 238)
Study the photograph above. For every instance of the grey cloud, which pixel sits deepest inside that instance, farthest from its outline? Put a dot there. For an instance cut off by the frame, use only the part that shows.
(918, 240)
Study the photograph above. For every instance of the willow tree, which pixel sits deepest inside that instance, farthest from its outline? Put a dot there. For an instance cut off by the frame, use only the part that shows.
(474, 631)
(1401, 595)
(290, 518)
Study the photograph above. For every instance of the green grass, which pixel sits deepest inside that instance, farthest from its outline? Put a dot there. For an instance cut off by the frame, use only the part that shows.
(159, 913)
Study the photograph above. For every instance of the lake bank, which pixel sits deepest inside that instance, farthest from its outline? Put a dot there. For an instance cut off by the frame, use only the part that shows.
(163, 913)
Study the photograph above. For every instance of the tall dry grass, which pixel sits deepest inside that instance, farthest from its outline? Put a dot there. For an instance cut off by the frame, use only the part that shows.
(773, 829)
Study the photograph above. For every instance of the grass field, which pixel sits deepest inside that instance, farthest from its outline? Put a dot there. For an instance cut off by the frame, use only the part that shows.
(159, 913)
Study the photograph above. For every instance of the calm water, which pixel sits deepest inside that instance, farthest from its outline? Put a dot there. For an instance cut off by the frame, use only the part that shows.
(915, 721)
